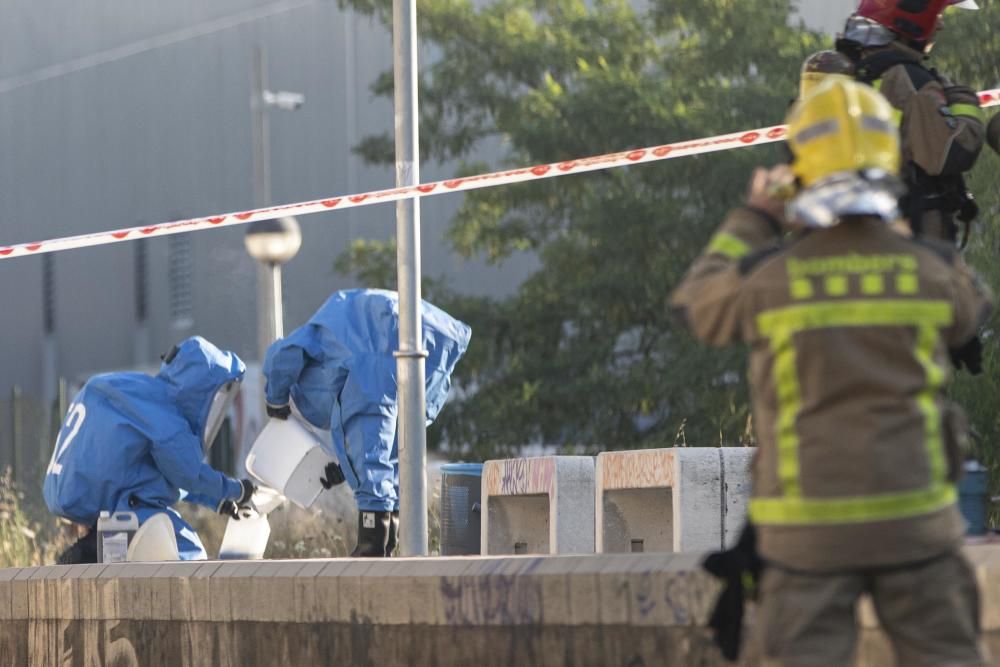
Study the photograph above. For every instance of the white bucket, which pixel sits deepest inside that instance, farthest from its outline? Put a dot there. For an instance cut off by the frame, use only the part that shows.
(287, 457)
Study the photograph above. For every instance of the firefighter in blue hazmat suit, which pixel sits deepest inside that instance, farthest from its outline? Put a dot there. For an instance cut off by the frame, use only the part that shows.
(339, 371)
(136, 442)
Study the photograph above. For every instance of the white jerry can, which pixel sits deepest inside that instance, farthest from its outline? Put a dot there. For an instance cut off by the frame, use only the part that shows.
(288, 458)
(114, 533)
(155, 541)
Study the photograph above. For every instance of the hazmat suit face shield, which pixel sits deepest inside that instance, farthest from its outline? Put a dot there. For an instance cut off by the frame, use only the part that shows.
(217, 411)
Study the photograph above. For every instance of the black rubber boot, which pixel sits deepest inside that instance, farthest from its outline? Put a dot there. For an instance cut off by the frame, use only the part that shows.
(393, 541)
(373, 534)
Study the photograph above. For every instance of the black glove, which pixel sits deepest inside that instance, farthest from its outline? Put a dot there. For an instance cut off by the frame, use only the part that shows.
(233, 506)
(278, 411)
(737, 567)
(333, 475)
(969, 355)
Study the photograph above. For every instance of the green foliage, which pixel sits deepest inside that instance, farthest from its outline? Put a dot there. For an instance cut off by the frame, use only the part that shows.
(586, 353)
(968, 51)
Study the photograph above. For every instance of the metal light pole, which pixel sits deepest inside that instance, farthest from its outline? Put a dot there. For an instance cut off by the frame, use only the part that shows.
(272, 243)
(276, 241)
(410, 356)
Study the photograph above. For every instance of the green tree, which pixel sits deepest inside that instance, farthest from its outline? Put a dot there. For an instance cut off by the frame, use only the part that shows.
(586, 352)
(968, 51)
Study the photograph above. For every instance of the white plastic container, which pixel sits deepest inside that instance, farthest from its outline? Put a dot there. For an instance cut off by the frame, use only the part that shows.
(155, 541)
(287, 457)
(114, 532)
(246, 538)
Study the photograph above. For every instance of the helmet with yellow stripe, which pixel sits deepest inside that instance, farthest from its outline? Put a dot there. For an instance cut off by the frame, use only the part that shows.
(845, 154)
(842, 126)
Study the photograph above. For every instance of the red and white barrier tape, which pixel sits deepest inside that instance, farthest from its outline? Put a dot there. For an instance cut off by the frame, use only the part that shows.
(724, 142)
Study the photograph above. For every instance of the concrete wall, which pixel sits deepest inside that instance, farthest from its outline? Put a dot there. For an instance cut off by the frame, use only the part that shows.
(635, 609)
(631, 610)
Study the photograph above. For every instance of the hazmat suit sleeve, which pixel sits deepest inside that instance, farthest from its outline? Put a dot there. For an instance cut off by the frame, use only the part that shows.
(710, 298)
(284, 362)
(179, 460)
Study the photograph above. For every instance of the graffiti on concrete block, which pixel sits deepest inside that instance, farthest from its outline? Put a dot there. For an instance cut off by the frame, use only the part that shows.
(642, 469)
(520, 477)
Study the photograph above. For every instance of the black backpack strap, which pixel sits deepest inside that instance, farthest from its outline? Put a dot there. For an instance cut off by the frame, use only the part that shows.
(871, 68)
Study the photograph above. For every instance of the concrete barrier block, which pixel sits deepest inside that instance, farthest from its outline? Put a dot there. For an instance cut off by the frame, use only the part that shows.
(697, 499)
(135, 590)
(189, 598)
(538, 505)
(383, 598)
(109, 602)
(614, 590)
(20, 600)
(86, 588)
(737, 463)
(43, 592)
(6, 592)
(416, 590)
(240, 597)
(69, 590)
(584, 591)
(270, 585)
(310, 603)
(669, 500)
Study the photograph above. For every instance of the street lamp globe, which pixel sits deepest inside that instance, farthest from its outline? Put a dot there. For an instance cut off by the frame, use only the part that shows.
(273, 241)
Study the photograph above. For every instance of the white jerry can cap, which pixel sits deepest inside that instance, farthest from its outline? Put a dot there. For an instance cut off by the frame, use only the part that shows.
(287, 457)
(154, 541)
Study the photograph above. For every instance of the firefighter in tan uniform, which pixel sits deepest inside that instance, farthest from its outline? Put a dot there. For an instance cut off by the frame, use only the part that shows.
(849, 323)
(941, 123)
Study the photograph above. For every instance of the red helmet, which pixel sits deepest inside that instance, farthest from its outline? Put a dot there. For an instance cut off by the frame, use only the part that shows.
(915, 20)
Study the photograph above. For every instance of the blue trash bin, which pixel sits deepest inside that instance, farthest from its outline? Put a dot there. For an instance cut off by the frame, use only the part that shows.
(461, 516)
(972, 497)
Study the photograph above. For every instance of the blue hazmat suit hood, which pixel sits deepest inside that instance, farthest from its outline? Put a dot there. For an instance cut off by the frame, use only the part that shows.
(194, 371)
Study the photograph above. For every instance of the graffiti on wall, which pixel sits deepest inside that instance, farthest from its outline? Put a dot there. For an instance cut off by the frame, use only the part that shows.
(520, 477)
(642, 469)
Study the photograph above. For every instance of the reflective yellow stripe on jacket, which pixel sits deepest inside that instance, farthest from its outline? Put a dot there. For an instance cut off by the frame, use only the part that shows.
(780, 325)
(729, 245)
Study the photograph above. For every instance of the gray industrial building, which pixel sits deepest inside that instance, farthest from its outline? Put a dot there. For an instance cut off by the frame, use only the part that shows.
(114, 115)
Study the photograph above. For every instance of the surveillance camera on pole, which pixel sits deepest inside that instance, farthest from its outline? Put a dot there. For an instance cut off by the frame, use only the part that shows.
(284, 100)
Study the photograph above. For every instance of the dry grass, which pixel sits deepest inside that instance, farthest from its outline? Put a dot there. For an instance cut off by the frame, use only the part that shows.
(31, 536)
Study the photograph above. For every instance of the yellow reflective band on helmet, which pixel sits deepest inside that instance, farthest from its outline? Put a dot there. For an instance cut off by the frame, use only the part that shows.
(855, 313)
(857, 509)
(780, 325)
(970, 110)
(726, 244)
(842, 126)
